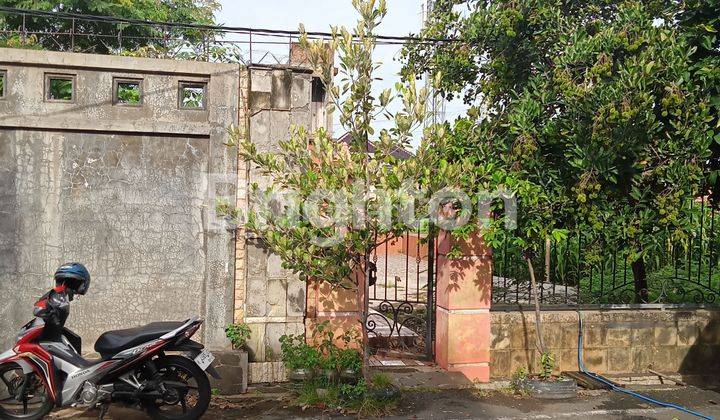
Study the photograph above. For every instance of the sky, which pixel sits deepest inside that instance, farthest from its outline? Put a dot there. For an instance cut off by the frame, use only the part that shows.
(403, 18)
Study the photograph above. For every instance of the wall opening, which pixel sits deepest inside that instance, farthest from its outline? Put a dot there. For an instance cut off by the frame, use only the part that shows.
(3, 82)
(318, 95)
(318, 90)
(193, 95)
(127, 92)
(59, 87)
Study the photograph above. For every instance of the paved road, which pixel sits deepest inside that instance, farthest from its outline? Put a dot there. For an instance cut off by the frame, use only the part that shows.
(467, 404)
(462, 404)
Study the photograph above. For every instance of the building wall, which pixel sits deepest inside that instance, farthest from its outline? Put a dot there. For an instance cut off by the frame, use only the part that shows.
(615, 341)
(128, 191)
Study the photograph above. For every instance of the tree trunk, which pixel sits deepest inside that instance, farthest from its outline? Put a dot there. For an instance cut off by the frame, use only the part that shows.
(538, 322)
(548, 246)
(640, 280)
(364, 292)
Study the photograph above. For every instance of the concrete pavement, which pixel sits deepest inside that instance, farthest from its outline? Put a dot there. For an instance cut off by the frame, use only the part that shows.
(463, 404)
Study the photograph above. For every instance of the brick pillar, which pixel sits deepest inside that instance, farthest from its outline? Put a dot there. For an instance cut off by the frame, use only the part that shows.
(342, 308)
(462, 340)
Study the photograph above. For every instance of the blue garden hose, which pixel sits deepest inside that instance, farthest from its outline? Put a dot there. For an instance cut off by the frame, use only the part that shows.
(614, 387)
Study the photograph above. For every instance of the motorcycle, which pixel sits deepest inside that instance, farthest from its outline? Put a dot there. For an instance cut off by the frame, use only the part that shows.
(156, 367)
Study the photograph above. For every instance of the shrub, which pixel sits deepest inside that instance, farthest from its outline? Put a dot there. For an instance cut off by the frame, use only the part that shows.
(334, 357)
(298, 354)
(353, 392)
(350, 359)
(238, 334)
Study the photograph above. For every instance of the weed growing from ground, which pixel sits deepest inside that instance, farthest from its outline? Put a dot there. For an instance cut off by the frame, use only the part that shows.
(373, 400)
(518, 382)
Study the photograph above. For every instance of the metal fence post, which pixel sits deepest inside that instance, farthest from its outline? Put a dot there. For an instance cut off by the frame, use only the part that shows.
(251, 47)
(430, 309)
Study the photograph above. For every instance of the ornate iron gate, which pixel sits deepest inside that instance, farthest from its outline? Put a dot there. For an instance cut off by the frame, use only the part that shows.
(400, 321)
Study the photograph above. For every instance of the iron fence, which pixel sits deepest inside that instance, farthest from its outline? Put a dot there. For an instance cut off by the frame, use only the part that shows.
(117, 36)
(60, 31)
(585, 269)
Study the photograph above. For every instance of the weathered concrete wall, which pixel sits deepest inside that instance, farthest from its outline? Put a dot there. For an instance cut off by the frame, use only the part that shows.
(128, 191)
(275, 299)
(616, 341)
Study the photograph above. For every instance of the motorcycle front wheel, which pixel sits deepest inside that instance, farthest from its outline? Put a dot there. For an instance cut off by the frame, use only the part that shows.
(188, 390)
(22, 396)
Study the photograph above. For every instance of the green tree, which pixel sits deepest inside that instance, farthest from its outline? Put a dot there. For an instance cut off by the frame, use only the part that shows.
(351, 199)
(101, 37)
(700, 22)
(312, 161)
(599, 105)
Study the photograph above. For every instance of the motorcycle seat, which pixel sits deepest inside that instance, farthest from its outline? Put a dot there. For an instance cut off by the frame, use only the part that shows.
(112, 342)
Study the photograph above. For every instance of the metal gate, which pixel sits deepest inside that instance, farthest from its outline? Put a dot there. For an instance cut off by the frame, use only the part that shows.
(400, 321)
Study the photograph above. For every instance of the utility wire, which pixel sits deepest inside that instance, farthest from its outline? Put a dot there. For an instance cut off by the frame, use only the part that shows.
(216, 28)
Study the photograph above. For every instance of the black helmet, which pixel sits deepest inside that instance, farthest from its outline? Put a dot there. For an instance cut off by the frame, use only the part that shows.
(74, 276)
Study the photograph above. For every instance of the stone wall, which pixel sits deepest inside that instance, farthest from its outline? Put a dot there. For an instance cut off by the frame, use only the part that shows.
(616, 341)
(128, 191)
(274, 302)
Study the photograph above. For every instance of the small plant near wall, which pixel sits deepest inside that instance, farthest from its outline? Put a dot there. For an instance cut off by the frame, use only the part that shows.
(547, 365)
(238, 334)
(544, 384)
(375, 398)
(350, 363)
(301, 359)
(518, 382)
(327, 368)
(340, 357)
(325, 340)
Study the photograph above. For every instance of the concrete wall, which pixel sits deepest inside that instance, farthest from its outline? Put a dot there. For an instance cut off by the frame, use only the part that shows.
(616, 341)
(124, 190)
(274, 302)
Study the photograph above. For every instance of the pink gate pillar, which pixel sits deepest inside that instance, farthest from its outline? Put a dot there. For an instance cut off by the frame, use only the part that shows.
(341, 308)
(462, 314)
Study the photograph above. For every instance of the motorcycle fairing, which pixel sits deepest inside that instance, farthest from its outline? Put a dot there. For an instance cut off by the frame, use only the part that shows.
(32, 357)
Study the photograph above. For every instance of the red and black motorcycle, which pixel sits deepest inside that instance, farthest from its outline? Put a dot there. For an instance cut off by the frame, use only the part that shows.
(156, 367)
